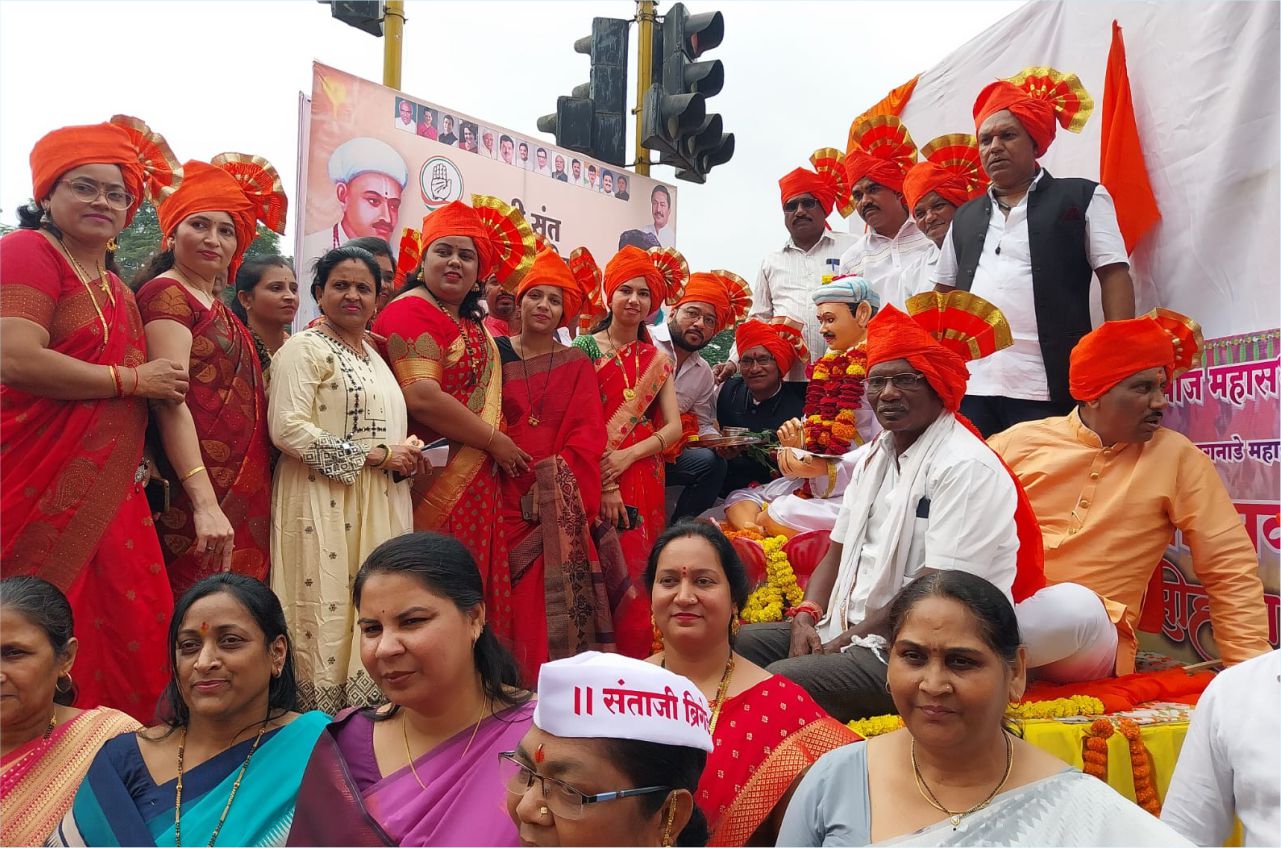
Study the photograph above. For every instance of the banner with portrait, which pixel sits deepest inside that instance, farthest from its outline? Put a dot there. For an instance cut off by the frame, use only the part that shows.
(375, 160)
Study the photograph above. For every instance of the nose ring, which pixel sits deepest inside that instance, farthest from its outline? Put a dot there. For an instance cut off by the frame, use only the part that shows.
(543, 811)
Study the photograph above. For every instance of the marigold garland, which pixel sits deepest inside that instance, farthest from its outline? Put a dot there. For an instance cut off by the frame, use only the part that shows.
(876, 725)
(780, 589)
(1056, 708)
(1094, 754)
(1145, 791)
(835, 391)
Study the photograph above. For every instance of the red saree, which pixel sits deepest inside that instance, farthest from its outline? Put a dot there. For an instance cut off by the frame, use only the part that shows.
(644, 369)
(74, 512)
(564, 589)
(765, 739)
(462, 498)
(228, 405)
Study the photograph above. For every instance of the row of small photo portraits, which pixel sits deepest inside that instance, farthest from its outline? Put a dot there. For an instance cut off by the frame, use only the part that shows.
(444, 128)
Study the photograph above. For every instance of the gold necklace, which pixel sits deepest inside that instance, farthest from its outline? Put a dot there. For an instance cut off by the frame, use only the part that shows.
(404, 729)
(469, 370)
(628, 392)
(83, 276)
(53, 722)
(956, 816)
(726, 676)
(235, 787)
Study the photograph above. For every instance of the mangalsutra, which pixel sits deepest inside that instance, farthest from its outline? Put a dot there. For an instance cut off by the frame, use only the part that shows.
(83, 276)
(628, 392)
(404, 729)
(235, 787)
(956, 815)
(726, 676)
(472, 377)
(535, 415)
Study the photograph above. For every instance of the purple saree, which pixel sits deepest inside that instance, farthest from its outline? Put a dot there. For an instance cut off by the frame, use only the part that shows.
(345, 800)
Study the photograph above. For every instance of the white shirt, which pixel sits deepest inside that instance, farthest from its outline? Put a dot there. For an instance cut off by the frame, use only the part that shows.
(968, 526)
(407, 126)
(665, 236)
(881, 260)
(1230, 763)
(788, 278)
(1004, 279)
(918, 275)
(695, 383)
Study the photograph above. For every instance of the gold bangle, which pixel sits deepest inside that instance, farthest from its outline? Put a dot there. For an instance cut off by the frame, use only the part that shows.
(492, 433)
(609, 490)
(115, 380)
(386, 456)
(192, 473)
(662, 443)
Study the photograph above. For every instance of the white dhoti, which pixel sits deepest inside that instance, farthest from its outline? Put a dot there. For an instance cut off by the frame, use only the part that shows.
(1068, 634)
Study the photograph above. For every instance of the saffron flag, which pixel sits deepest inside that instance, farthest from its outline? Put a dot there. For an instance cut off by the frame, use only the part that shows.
(1121, 167)
(891, 104)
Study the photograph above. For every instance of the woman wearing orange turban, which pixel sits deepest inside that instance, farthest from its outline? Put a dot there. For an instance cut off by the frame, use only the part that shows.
(216, 444)
(449, 370)
(551, 406)
(642, 420)
(74, 382)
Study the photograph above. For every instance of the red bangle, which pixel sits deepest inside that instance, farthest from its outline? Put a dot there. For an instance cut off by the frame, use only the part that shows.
(806, 606)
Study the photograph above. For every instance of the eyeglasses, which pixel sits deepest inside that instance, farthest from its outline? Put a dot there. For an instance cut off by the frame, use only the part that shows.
(694, 316)
(905, 382)
(755, 362)
(88, 191)
(800, 203)
(563, 800)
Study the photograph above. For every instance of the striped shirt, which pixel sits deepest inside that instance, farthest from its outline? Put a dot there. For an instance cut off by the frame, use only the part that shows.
(787, 279)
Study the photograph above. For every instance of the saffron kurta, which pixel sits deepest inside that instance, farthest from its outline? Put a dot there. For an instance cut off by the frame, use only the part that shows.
(329, 407)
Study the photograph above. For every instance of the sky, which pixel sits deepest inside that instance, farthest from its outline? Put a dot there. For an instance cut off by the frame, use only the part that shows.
(217, 75)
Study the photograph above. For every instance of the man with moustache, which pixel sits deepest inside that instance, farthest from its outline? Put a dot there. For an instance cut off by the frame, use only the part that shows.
(788, 277)
(540, 157)
(369, 177)
(1110, 486)
(522, 157)
(926, 494)
(1031, 246)
(500, 304)
(708, 304)
(892, 241)
(559, 172)
(660, 209)
(507, 149)
(405, 115)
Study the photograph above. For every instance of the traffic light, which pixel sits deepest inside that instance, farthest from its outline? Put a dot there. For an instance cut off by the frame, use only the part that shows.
(675, 122)
(364, 15)
(591, 119)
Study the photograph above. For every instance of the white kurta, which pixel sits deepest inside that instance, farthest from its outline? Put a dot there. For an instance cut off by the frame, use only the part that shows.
(328, 408)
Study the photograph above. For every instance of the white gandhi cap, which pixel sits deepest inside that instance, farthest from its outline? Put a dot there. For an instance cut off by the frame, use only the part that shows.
(609, 696)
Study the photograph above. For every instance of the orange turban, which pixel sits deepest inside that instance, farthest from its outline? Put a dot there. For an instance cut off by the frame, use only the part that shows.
(459, 219)
(628, 264)
(147, 166)
(859, 165)
(1116, 350)
(881, 150)
(925, 177)
(1039, 98)
(892, 334)
(783, 342)
(245, 187)
(727, 293)
(550, 270)
(802, 181)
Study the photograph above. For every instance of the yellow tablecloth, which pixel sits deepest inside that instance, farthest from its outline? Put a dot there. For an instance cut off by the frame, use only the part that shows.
(1065, 742)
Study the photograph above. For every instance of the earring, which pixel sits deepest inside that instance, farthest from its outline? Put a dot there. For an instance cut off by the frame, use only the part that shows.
(656, 641)
(735, 623)
(112, 247)
(667, 826)
(71, 684)
(887, 687)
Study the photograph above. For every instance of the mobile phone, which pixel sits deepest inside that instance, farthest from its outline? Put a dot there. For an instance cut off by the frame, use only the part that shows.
(633, 518)
(157, 489)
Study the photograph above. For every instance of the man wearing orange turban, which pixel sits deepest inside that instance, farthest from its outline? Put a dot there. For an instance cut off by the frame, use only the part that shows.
(874, 170)
(758, 399)
(1031, 245)
(1110, 486)
(812, 250)
(926, 494)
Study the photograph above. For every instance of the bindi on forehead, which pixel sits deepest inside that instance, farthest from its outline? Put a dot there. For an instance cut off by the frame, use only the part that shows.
(204, 628)
(539, 754)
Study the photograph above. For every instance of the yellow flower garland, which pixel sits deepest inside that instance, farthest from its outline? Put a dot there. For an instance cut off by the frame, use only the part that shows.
(1076, 705)
(780, 589)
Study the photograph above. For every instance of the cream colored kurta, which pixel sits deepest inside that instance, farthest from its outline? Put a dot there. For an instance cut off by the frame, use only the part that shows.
(328, 408)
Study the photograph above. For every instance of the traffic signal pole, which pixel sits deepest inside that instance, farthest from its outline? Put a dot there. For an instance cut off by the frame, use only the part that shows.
(393, 32)
(644, 75)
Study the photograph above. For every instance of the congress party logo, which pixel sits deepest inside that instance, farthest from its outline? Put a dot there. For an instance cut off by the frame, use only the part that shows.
(440, 182)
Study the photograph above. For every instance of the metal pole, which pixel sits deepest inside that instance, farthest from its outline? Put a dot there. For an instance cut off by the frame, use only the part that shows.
(393, 30)
(644, 74)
